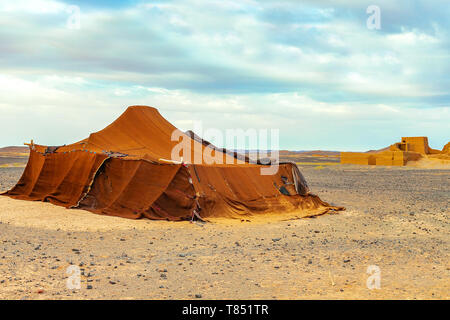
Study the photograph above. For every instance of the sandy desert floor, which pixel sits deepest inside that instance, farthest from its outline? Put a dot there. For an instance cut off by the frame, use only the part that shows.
(396, 219)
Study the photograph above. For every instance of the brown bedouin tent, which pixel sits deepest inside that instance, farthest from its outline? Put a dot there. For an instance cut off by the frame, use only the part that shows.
(125, 170)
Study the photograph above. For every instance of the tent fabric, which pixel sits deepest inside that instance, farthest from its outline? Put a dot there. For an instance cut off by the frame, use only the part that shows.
(60, 178)
(128, 170)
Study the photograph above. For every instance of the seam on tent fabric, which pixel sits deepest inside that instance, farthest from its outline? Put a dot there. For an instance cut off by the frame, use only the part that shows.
(196, 190)
(90, 184)
(197, 196)
(125, 150)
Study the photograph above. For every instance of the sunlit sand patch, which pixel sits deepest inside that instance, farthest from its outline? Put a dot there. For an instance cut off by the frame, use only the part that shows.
(13, 165)
(43, 215)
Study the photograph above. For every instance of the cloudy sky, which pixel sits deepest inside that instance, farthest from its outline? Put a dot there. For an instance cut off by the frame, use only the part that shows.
(312, 69)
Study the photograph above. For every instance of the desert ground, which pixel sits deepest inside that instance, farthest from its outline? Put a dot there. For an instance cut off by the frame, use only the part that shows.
(397, 218)
(13, 157)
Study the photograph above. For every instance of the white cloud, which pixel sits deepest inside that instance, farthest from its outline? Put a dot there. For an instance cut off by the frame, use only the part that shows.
(33, 6)
(312, 66)
(409, 38)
